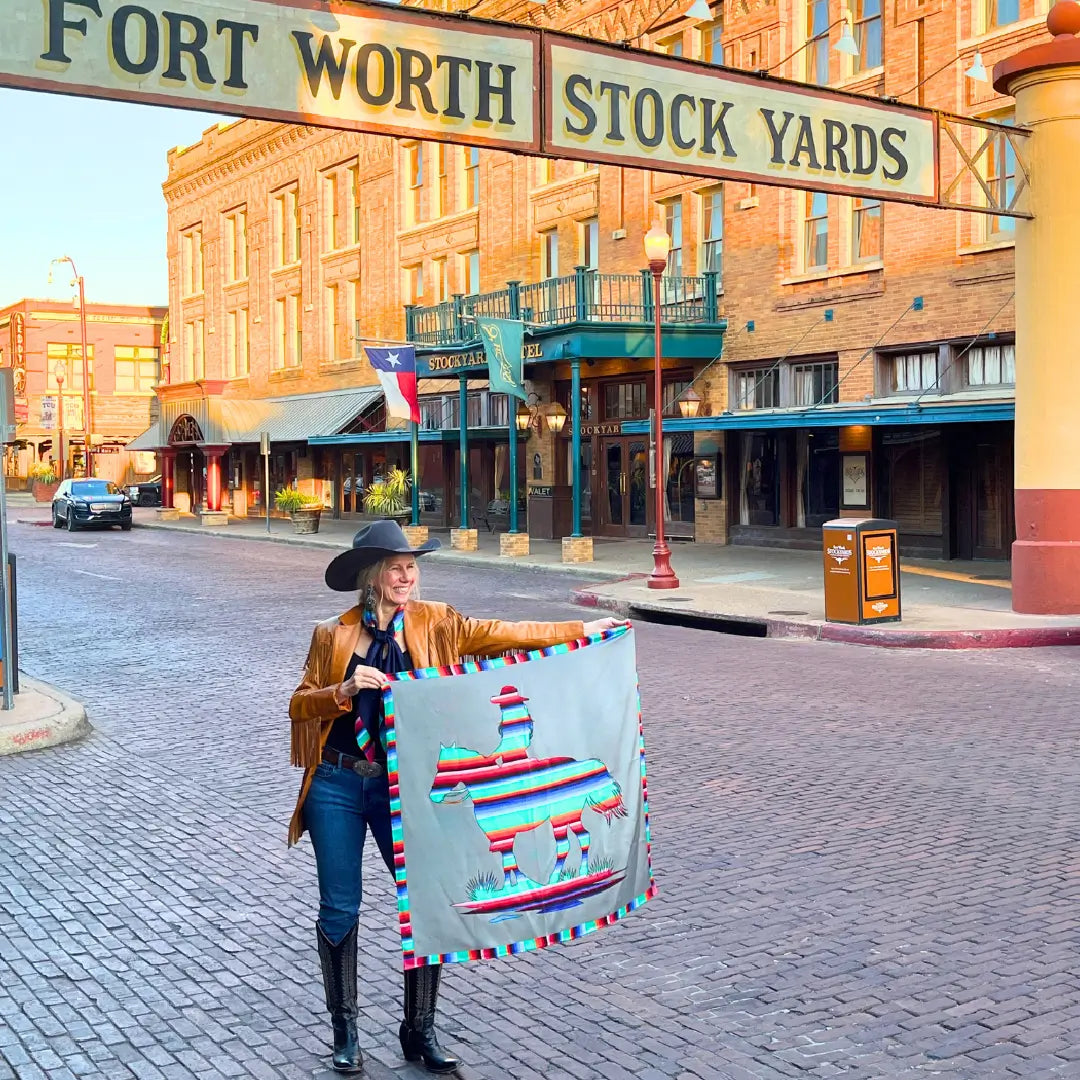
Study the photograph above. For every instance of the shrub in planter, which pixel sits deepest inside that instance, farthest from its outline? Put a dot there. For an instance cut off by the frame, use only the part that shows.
(389, 497)
(43, 481)
(304, 510)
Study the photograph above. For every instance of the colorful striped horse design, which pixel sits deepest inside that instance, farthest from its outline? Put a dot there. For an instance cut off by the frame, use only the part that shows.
(513, 793)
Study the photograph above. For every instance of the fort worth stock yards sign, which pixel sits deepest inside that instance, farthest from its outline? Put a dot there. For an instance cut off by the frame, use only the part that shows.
(412, 73)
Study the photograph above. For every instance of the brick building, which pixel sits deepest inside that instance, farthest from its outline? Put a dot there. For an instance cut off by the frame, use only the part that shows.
(38, 338)
(867, 351)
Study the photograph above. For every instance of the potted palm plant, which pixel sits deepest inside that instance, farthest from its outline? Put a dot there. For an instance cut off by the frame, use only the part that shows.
(389, 497)
(43, 481)
(305, 510)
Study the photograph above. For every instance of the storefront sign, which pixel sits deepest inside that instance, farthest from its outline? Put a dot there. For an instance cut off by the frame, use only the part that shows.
(474, 358)
(420, 74)
(185, 430)
(540, 492)
(708, 482)
(855, 481)
(17, 329)
(588, 430)
(48, 413)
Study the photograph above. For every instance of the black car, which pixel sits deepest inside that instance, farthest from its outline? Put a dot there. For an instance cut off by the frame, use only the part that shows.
(146, 492)
(90, 502)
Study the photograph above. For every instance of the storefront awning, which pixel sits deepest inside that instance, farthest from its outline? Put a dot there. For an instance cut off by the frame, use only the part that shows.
(292, 419)
(150, 439)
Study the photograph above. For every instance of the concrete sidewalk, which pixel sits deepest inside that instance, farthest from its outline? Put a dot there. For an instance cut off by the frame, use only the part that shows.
(751, 590)
(42, 716)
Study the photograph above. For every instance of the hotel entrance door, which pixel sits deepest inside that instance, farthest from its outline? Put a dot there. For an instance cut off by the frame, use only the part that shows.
(623, 490)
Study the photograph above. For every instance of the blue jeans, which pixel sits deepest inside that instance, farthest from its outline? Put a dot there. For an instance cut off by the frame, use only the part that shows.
(339, 809)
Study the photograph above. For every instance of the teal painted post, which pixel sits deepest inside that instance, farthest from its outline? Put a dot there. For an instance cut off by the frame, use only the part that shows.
(575, 438)
(712, 312)
(513, 301)
(415, 473)
(581, 294)
(463, 447)
(647, 297)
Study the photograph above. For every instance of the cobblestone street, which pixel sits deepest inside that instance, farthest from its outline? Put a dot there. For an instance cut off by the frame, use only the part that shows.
(868, 860)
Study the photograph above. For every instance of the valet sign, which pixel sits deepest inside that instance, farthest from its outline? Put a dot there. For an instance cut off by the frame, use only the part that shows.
(413, 73)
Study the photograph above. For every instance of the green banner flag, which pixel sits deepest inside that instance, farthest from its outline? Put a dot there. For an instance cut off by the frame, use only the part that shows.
(504, 341)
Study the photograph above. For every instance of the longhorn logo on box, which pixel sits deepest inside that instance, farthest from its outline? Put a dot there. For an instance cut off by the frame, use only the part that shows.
(840, 553)
(879, 554)
(880, 606)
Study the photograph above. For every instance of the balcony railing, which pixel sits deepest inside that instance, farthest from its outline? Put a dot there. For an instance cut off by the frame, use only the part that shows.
(583, 297)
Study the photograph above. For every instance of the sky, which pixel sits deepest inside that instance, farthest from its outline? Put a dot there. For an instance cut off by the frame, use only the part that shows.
(83, 178)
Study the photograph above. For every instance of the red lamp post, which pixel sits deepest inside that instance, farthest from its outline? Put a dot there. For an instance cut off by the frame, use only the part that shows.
(657, 246)
(87, 426)
(60, 373)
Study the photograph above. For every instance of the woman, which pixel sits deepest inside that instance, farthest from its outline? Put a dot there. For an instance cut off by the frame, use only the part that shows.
(339, 740)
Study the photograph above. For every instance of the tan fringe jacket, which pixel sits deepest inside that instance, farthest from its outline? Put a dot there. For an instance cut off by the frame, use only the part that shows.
(435, 635)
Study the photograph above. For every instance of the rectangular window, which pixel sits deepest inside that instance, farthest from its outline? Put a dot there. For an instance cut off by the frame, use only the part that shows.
(867, 14)
(71, 357)
(913, 372)
(191, 244)
(288, 343)
(673, 389)
(471, 176)
(415, 178)
(625, 400)
(991, 365)
(442, 181)
(865, 230)
(549, 253)
(817, 36)
(815, 384)
(332, 321)
(238, 354)
(589, 243)
(354, 200)
(236, 246)
(671, 215)
(1001, 180)
(194, 351)
(352, 319)
(710, 38)
(475, 410)
(672, 45)
(414, 283)
(137, 368)
(331, 235)
(287, 226)
(816, 231)
(1000, 13)
(756, 388)
(440, 281)
(433, 413)
(711, 252)
(470, 271)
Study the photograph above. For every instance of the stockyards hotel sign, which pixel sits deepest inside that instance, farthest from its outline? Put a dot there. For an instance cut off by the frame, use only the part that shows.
(518, 800)
(418, 74)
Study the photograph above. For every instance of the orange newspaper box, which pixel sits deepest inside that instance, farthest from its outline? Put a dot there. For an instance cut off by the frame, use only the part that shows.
(862, 571)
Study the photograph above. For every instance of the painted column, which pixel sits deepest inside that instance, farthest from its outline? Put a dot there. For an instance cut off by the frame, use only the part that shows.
(463, 447)
(168, 478)
(213, 477)
(1045, 80)
(512, 461)
(575, 440)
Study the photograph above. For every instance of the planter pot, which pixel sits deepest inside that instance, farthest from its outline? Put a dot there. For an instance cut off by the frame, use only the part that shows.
(43, 493)
(306, 521)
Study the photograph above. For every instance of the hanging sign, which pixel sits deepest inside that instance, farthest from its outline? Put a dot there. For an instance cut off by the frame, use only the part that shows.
(413, 73)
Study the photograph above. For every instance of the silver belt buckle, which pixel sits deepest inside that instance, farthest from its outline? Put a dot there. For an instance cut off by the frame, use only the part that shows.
(366, 768)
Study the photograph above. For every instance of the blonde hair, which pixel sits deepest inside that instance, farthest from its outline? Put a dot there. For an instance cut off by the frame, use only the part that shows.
(368, 578)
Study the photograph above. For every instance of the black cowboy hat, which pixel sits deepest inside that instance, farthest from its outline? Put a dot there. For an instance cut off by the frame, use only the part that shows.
(372, 543)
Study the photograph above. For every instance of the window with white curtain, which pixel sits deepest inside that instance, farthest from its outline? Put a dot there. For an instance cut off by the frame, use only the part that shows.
(913, 372)
(991, 365)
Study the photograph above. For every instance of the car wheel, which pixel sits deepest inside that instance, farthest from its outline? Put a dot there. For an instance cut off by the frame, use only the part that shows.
(125, 526)
(70, 520)
(57, 520)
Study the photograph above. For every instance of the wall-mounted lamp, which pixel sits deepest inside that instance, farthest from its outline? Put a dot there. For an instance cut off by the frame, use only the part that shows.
(556, 418)
(528, 414)
(976, 72)
(846, 43)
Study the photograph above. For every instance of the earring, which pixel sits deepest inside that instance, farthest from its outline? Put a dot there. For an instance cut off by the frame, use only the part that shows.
(369, 601)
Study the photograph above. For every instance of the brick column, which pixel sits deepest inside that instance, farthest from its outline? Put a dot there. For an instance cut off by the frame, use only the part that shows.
(213, 476)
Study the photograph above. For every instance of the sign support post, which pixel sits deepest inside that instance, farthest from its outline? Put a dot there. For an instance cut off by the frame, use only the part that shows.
(264, 449)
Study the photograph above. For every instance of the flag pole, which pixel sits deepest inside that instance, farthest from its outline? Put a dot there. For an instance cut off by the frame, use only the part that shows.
(415, 473)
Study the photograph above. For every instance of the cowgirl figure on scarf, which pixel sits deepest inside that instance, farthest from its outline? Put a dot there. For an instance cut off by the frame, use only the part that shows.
(339, 739)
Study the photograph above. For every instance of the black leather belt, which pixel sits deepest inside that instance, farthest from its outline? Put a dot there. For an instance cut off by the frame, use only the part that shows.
(359, 765)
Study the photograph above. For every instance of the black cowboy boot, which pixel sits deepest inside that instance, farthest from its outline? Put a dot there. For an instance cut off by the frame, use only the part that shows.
(418, 1039)
(339, 982)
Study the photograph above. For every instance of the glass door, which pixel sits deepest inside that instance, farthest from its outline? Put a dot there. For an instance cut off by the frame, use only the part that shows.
(352, 483)
(612, 489)
(637, 467)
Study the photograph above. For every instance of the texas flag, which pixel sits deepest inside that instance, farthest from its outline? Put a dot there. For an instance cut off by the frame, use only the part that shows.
(396, 369)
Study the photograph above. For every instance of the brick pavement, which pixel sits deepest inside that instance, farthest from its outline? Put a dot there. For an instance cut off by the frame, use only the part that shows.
(872, 884)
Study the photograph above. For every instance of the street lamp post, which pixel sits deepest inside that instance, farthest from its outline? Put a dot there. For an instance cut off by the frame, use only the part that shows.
(657, 246)
(60, 372)
(87, 425)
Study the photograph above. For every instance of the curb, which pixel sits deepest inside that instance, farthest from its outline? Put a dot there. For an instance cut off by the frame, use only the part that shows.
(64, 721)
(1033, 637)
(447, 555)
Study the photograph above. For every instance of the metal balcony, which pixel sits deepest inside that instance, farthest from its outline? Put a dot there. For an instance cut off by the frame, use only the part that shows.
(584, 297)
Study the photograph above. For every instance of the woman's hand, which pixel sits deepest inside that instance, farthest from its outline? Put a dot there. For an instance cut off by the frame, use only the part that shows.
(364, 678)
(598, 625)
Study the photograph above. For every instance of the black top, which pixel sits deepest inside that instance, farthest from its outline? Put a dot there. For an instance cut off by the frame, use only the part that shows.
(368, 704)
